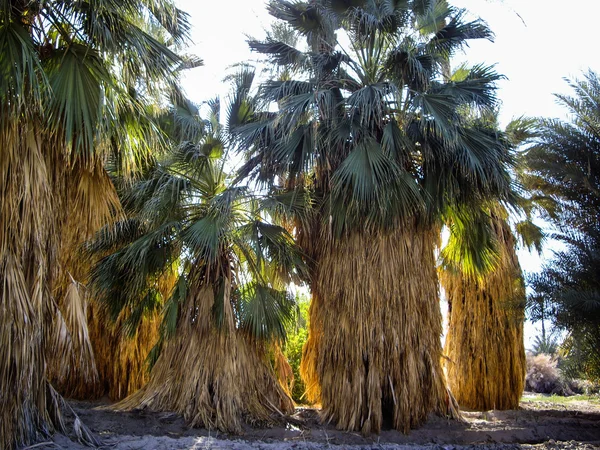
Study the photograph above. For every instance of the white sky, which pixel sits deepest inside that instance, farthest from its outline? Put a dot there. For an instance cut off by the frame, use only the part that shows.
(537, 44)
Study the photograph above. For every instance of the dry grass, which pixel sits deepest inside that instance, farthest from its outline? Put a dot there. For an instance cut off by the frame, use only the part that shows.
(375, 323)
(215, 377)
(484, 346)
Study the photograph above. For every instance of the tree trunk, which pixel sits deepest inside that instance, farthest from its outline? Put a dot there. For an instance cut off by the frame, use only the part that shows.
(374, 348)
(25, 303)
(215, 376)
(484, 346)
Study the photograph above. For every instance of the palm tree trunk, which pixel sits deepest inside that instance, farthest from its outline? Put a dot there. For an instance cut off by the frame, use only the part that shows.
(374, 348)
(25, 231)
(214, 376)
(484, 346)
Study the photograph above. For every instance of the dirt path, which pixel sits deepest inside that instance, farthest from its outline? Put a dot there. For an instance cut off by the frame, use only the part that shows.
(535, 425)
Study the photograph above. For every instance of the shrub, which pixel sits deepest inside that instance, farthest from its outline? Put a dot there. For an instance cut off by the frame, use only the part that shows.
(544, 377)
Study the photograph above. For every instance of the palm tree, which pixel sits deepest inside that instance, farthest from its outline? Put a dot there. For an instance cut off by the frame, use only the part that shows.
(102, 359)
(229, 301)
(563, 165)
(67, 70)
(484, 286)
(484, 346)
(368, 131)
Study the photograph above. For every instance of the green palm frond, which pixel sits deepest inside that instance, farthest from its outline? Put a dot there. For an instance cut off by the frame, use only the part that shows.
(304, 17)
(266, 312)
(408, 64)
(276, 90)
(455, 33)
(563, 164)
(280, 53)
(379, 121)
(531, 235)
(475, 86)
(472, 248)
(77, 77)
(240, 104)
(22, 76)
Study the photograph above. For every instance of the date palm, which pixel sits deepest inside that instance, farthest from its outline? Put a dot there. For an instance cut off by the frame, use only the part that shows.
(229, 302)
(67, 72)
(563, 165)
(366, 126)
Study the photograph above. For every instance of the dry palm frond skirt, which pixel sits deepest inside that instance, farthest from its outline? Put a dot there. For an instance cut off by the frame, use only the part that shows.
(29, 406)
(91, 357)
(484, 346)
(374, 346)
(215, 376)
(121, 360)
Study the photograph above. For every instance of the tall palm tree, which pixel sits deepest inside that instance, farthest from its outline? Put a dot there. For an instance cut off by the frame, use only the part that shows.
(368, 128)
(229, 302)
(563, 165)
(67, 70)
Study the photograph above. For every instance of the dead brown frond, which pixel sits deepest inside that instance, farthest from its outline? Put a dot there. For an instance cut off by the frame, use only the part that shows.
(214, 376)
(121, 359)
(26, 235)
(375, 324)
(484, 347)
(71, 345)
(85, 201)
(283, 370)
(310, 352)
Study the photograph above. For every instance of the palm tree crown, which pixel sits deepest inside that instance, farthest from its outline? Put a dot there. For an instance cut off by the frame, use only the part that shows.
(186, 211)
(370, 118)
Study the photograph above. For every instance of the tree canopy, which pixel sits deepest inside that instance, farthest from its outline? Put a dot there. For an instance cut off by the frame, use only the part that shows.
(564, 165)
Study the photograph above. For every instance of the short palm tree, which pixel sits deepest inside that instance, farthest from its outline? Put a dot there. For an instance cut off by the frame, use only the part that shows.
(484, 346)
(367, 134)
(67, 72)
(229, 302)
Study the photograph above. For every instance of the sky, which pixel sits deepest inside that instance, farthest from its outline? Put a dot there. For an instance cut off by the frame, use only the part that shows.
(537, 44)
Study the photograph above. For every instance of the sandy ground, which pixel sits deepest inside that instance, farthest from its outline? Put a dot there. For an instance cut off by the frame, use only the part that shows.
(537, 425)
